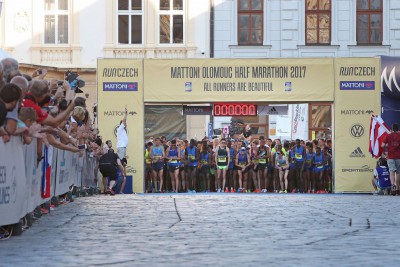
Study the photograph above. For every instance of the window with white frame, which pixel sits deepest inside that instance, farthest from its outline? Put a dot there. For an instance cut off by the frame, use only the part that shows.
(130, 13)
(56, 21)
(171, 16)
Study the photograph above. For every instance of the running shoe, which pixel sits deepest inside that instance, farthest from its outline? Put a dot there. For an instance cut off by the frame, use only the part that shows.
(285, 191)
(226, 190)
(219, 190)
(294, 191)
(193, 191)
(248, 191)
(52, 207)
(232, 190)
(280, 191)
(393, 191)
(112, 193)
(44, 211)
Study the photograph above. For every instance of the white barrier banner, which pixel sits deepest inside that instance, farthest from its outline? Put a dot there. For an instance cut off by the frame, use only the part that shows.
(12, 182)
(65, 172)
(33, 174)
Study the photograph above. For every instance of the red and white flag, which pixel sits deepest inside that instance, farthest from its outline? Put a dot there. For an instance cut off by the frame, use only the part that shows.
(378, 131)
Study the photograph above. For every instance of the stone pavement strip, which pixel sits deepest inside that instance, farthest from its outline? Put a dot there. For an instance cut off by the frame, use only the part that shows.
(213, 230)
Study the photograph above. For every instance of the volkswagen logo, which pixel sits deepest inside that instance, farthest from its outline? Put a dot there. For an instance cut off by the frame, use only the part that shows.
(357, 130)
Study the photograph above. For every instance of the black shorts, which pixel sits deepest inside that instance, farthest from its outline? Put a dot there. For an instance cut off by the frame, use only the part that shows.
(262, 167)
(173, 168)
(109, 171)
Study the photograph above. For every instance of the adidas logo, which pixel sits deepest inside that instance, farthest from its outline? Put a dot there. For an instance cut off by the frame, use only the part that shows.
(273, 111)
(357, 153)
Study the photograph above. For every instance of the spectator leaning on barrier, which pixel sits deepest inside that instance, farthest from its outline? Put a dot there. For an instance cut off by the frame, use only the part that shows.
(122, 137)
(10, 94)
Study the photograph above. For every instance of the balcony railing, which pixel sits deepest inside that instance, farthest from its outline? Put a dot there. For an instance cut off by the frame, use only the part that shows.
(147, 52)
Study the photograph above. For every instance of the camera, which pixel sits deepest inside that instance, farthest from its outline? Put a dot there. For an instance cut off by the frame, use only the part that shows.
(75, 82)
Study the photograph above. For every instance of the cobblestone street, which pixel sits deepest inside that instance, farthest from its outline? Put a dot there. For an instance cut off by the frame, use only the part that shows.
(213, 229)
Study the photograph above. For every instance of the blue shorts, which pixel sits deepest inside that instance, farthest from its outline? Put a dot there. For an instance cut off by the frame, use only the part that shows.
(319, 169)
(158, 166)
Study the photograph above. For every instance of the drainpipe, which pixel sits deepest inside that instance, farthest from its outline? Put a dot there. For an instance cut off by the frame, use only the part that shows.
(211, 28)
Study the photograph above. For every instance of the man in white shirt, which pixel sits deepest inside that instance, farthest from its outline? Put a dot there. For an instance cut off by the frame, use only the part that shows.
(122, 137)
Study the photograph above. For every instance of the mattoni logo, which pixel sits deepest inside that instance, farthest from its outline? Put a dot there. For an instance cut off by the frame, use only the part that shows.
(357, 153)
(357, 85)
(364, 168)
(118, 113)
(355, 112)
(119, 86)
(357, 130)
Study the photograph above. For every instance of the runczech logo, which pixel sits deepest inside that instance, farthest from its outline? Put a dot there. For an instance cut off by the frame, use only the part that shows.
(357, 130)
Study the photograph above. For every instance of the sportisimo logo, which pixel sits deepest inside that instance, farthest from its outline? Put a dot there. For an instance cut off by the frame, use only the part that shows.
(357, 153)
(117, 86)
(357, 85)
(364, 168)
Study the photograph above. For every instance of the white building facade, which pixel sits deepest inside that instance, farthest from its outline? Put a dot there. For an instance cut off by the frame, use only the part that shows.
(73, 33)
(306, 28)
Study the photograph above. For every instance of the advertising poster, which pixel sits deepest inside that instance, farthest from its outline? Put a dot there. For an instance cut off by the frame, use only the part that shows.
(120, 84)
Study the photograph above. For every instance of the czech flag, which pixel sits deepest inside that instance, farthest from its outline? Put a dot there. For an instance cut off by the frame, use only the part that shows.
(46, 173)
(378, 131)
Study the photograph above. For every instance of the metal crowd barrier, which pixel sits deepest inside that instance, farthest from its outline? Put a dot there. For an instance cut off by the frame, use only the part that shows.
(26, 183)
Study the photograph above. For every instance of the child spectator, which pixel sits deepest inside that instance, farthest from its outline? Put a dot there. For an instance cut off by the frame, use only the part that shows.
(381, 178)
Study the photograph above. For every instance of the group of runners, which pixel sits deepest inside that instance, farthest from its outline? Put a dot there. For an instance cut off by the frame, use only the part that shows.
(230, 165)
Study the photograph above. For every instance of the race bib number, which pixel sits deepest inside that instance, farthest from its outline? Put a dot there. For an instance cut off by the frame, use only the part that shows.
(204, 162)
(173, 161)
(298, 156)
(221, 159)
(262, 161)
(320, 165)
(191, 157)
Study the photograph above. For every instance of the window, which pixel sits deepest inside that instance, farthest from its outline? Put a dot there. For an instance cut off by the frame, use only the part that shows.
(130, 21)
(369, 21)
(318, 22)
(250, 22)
(171, 21)
(320, 120)
(56, 21)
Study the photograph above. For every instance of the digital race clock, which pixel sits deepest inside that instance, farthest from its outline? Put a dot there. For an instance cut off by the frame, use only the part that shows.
(235, 109)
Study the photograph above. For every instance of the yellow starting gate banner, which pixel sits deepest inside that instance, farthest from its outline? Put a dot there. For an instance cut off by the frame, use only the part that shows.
(120, 84)
(227, 80)
(357, 97)
(352, 84)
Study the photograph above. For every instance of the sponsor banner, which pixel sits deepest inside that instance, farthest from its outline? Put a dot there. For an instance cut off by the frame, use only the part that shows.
(13, 188)
(120, 84)
(65, 171)
(357, 85)
(356, 98)
(116, 86)
(272, 110)
(390, 76)
(197, 110)
(238, 80)
(300, 122)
